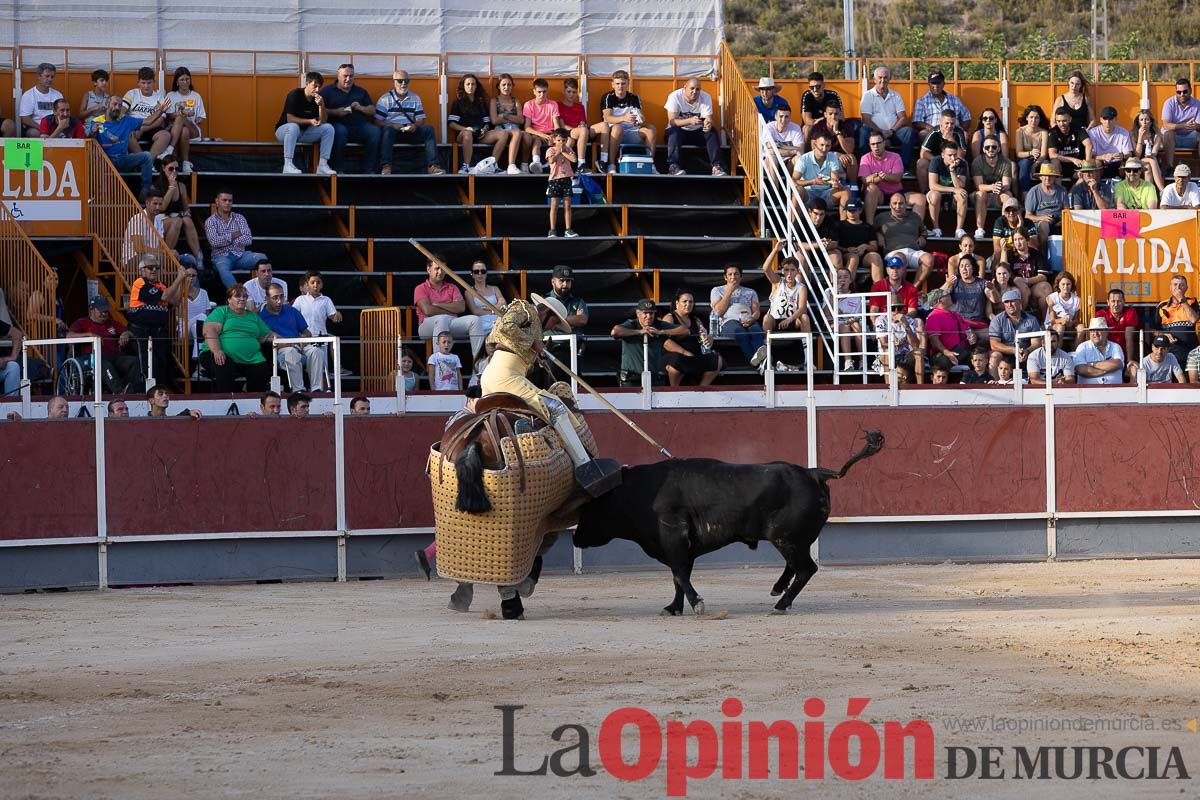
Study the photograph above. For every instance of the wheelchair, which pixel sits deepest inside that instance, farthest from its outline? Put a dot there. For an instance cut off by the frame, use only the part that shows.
(75, 376)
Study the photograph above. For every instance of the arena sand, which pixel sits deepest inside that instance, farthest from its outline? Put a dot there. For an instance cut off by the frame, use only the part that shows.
(374, 689)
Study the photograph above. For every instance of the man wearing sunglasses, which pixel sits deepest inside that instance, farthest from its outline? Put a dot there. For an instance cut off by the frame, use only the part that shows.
(402, 116)
(1180, 120)
(351, 113)
(992, 174)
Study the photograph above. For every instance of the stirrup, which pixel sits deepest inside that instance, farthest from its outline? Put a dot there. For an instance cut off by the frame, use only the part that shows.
(598, 476)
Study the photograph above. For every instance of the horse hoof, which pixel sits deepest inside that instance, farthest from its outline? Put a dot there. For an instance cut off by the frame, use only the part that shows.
(775, 592)
(669, 612)
(779, 611)
(699, 608)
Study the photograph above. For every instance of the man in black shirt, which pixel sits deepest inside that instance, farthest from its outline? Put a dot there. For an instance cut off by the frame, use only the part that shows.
(816, 100)
(303, 121)
(1068, 145)
(931, 148)
(856, 240)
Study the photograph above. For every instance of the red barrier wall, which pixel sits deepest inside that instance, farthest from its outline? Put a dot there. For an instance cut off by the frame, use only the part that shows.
(1142, 458)
(386, 485)
(244, 474)
(47, 479)
(220, 474)
(962, 460)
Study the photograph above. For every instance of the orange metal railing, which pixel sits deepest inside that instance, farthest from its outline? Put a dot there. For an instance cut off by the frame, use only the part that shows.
(29, 284)
(125, 236)
(741, 118)
(378, 332)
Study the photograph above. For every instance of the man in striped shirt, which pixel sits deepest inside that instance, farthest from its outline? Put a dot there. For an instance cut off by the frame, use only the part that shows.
(228, 235)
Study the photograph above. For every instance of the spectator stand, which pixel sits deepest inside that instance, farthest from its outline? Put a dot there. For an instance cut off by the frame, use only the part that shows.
(22, 270)
(112, 207)
(782, 215)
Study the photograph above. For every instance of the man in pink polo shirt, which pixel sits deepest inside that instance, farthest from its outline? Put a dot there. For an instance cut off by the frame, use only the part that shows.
(439, 308)
(880, 172)
(542, 118)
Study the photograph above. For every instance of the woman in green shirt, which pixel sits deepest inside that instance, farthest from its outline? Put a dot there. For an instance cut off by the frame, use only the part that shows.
(233, 338)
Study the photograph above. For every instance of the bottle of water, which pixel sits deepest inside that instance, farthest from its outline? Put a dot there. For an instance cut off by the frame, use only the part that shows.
(714, 324)
(706, 339)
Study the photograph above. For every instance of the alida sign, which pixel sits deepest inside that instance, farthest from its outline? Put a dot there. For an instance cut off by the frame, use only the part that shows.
(46, 191)
(1135, 251)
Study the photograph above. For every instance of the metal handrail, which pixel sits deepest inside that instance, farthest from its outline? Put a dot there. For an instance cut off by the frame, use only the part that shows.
(781, 209)
(23, 271)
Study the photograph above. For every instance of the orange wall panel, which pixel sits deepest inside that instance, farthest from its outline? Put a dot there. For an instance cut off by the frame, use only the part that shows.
(1126, 98)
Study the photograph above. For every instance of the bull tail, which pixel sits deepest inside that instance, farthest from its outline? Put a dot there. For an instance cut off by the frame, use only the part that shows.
(874, 445)
(468, 468)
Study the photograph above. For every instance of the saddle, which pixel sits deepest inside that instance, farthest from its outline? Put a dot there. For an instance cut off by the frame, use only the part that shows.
(494, 419)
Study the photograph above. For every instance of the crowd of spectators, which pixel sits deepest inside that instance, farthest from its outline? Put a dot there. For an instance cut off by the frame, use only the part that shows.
(1070, 158)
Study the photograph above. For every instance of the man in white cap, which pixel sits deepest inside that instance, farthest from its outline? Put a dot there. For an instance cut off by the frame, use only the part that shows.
(517, 338)
(1133, 192)
(1182, 193)
(768, 99)
(1098, 360)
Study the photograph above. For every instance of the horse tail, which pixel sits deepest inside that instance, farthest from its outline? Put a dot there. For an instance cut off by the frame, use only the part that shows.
(468, 467)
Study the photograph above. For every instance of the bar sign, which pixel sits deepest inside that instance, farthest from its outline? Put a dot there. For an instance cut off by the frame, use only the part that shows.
(23, 154)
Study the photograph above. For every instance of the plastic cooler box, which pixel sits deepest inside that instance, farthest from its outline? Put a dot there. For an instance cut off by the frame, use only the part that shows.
(636, 159)
(577, 198)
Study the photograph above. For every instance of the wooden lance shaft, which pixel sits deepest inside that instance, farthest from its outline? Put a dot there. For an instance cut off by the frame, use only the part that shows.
(604, 400)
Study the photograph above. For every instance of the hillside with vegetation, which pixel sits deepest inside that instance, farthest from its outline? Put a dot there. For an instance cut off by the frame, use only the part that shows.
(1049, 29)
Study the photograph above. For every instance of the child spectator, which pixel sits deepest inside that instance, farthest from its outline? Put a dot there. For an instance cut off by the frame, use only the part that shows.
(506, 116)
(941, 371)
(96, 98)
(542, 123)
(185, 115)
(979, 367)
(560, 157)
(445, 368)
(406, 370)
(318, 310)
(574, 118)
(144, 103)
(1004, 374)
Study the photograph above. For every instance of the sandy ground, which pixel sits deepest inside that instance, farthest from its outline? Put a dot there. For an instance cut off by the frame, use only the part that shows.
(374, 689)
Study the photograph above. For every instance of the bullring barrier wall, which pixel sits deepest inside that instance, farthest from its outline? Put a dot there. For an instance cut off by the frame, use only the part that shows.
(243, 498)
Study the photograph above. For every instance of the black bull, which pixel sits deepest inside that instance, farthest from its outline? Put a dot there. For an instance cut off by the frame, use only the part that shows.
(678, 510)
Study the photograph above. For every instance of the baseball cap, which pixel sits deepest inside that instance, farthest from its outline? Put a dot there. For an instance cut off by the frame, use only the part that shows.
(1133, 164)
(1108, 112)
(937, 77)
(897, 262)
(1010, 296)
(645, 304)
(1011, 202)
(563, 272)
(1161, 341)
(854, 205)
(936, 295)
(99, 302)
(1183, 171)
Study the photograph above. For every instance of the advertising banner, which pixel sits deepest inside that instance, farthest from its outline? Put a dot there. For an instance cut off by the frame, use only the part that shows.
(45, 185)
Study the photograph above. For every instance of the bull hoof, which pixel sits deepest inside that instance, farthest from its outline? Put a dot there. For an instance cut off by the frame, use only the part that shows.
(512, 609)
(670, 612)
(699, 608)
